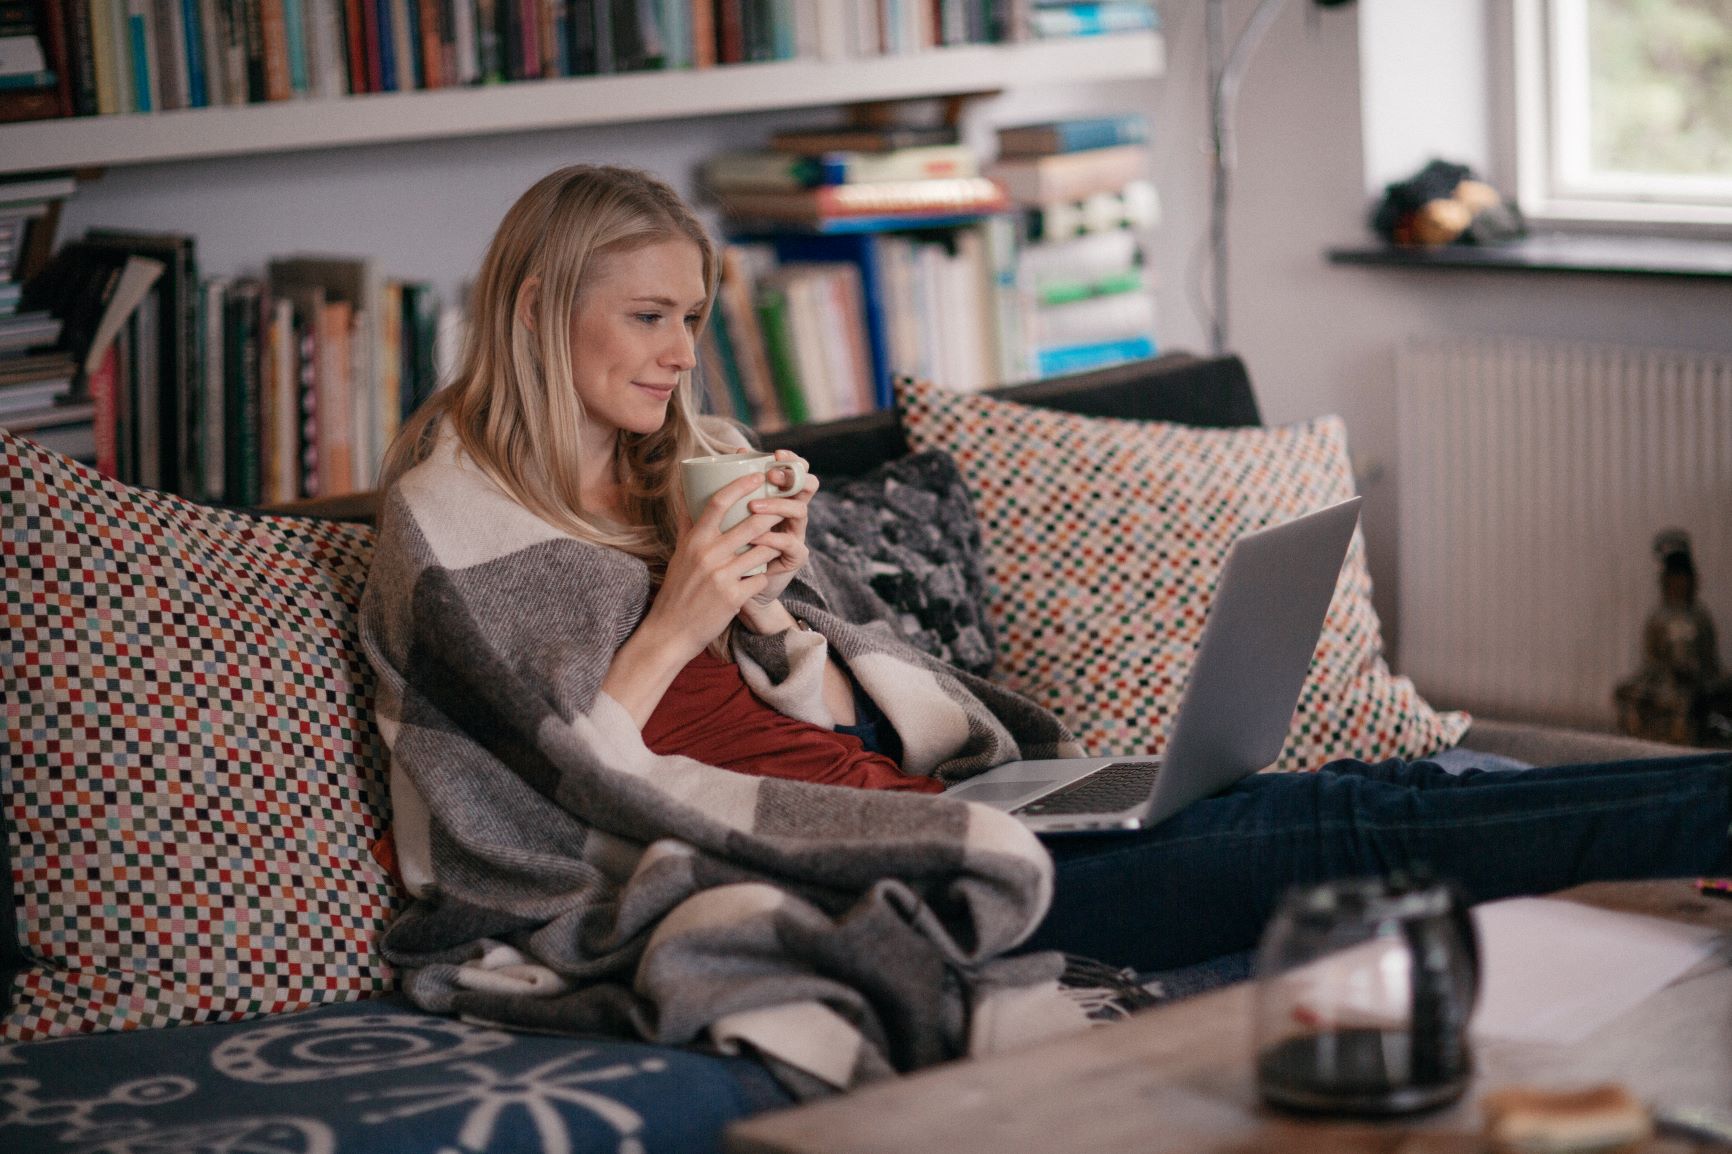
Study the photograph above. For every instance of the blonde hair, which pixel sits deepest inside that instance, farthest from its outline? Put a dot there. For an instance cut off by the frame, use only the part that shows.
(512, 403)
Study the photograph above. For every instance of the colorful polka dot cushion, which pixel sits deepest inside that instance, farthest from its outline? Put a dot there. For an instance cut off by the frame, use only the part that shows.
(192, 779)
(1103, 539)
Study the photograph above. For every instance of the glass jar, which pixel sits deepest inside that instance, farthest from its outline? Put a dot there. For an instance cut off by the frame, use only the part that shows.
(1364, 989)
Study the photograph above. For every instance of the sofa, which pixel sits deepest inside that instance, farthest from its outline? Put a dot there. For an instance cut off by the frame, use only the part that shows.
(325, 1056)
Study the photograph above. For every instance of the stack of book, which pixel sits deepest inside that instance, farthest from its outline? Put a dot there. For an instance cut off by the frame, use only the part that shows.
(1083, 297)
(37, 396)
(90, 57)
(861, 253)
(854, 180)
(247, 390)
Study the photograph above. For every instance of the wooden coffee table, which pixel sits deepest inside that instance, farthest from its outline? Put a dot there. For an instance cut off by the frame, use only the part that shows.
(1178, 1078)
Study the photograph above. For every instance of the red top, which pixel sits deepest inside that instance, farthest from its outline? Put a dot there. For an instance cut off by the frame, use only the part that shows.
(709, 714)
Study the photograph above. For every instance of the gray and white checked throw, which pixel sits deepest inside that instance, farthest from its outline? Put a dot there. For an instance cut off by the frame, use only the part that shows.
(567, 878)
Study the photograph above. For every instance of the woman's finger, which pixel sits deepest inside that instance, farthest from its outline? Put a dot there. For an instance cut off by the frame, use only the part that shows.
(724, 499)
(787, 544)
(752, 558)
(787, 508)
(748, 531)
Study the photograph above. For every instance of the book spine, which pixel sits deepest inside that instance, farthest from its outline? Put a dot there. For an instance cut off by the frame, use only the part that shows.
(385, 39)
(295, 46)
(762, 170)
(1081, 358)
(274, 43)
(245, 52)
(432, 44)
(102, 52)
(103, 386)
(402, 47)
(1078, 135)
(244, 346)
(730, 31)
(1105, 318)
(138, 41)
(773, 310)
(323, 353)
(489, 49)
(211, 51)
(929, 162)
(192, 26)
(528, 43)
(813, 338)
(1102, 19)
(214, 419)
(120, 38)
(703, 31)
(81, 57)
(464, 64)
(170, 63)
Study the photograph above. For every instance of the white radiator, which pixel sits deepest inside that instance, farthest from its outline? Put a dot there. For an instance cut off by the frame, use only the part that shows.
(1533, 478)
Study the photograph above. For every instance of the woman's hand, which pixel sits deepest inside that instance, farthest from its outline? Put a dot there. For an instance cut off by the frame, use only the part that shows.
(706, 583)
(788, 538)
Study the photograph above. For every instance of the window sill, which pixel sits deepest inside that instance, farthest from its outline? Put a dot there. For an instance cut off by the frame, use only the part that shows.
(1645, 256)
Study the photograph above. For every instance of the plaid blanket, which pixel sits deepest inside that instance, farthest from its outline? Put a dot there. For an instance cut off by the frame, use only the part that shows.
(565, 877)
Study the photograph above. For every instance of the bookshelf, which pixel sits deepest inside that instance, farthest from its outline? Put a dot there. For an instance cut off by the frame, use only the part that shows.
(290, 126)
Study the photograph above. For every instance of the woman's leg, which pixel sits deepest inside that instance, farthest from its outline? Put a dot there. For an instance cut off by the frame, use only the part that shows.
(1204, 882)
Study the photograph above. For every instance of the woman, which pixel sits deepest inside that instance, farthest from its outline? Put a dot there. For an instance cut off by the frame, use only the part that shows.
(615, 749)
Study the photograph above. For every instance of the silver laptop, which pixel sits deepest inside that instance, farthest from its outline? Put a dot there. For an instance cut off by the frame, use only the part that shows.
(1270, 601)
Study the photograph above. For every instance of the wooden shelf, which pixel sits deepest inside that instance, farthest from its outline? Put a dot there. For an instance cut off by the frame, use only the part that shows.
(147, 138)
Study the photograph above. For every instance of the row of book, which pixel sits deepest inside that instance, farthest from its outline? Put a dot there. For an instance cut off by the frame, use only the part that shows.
(99, 57)
(245, 391)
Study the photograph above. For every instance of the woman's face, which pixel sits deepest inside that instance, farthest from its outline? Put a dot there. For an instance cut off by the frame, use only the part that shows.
(633, 332)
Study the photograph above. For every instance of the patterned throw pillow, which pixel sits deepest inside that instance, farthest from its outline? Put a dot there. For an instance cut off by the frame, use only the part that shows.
(1103, 539)
(909, 529)
(192, 778)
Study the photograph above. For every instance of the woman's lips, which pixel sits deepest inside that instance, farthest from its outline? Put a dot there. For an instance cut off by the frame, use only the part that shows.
(658, 390)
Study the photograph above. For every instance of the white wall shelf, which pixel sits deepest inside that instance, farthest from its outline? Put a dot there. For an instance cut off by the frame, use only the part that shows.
(147, 138)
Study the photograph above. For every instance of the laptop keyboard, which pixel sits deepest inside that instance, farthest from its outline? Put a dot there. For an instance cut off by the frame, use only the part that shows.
(1110, 789)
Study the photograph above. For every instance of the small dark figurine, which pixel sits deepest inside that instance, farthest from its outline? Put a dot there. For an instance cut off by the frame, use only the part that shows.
(1445, 203)
(1679, 695)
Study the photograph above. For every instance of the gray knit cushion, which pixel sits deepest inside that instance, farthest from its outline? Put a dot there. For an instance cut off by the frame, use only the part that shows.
(908, 527)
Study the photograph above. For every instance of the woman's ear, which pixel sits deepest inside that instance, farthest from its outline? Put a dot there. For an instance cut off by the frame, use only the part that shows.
(528, 297)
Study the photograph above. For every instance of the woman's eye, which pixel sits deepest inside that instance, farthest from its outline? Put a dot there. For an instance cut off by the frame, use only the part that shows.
(692, 321)
(649, 318)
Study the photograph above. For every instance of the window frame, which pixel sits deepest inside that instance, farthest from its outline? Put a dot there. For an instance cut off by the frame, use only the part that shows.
(1536, 103)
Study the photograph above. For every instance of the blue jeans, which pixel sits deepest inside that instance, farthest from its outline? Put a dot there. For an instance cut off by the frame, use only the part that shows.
(1204, 882)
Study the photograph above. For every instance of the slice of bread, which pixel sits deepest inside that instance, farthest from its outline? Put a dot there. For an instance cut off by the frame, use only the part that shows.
(1535, 1121)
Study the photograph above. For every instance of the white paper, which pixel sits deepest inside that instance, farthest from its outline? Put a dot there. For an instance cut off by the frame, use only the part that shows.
(1556, 971)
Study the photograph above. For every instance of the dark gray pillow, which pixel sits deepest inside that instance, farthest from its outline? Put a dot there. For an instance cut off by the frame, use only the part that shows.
(908, 528)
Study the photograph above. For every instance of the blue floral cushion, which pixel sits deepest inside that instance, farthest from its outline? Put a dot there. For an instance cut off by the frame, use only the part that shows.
(367, 1076)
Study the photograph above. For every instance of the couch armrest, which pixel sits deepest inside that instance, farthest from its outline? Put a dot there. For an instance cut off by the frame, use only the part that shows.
(1551, 745)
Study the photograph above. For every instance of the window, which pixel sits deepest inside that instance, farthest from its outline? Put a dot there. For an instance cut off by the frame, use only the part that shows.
(1624, 109)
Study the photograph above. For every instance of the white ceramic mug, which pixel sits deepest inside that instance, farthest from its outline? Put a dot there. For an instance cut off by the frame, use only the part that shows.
(704, 477)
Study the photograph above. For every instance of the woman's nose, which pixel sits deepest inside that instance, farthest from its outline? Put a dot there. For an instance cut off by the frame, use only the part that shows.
(682, 352)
